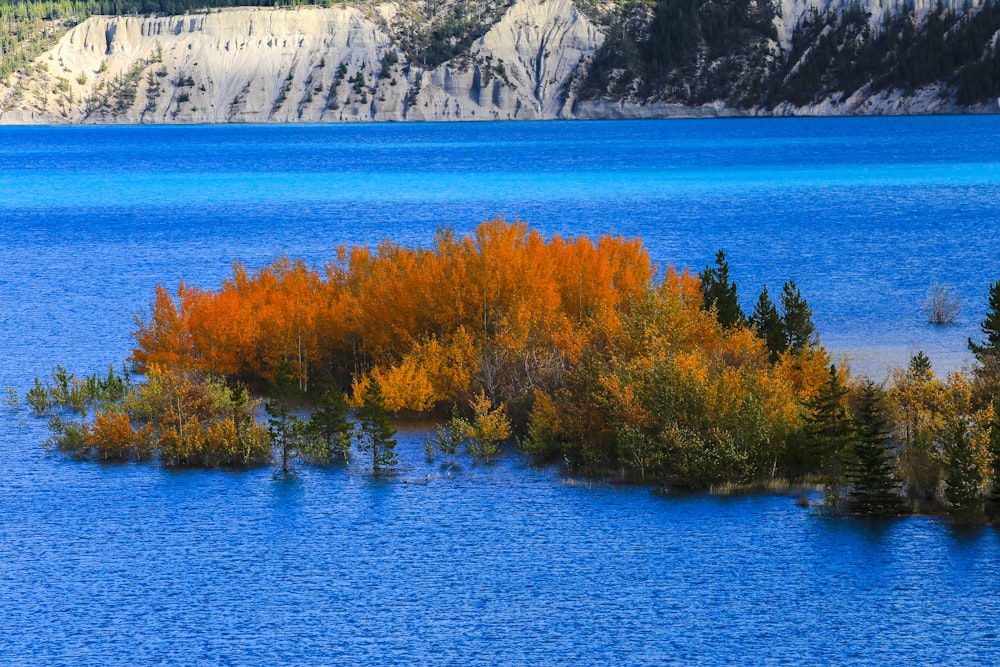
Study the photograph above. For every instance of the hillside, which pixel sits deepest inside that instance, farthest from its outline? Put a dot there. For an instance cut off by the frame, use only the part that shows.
(530, 59)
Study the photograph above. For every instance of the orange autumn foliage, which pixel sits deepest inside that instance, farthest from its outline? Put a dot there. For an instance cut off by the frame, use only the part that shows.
(502, 309)
(582, 343)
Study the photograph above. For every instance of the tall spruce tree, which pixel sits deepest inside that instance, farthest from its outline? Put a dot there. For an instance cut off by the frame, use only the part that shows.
(964, 481)
(993, 494)
(989, 350)
(377, 434)
(874, 488)
(719, 292)
(830, 432)
(800, 333)
(987, 367)
(768, 325)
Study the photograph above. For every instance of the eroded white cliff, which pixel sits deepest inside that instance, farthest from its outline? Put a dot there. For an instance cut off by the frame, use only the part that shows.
(309, 64)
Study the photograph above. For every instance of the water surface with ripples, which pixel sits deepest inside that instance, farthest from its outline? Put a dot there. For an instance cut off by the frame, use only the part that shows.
(485, 563)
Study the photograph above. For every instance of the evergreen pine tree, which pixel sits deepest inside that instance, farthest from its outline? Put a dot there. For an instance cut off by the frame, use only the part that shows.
(241, 413)
(993, 495)
(987, 366)
(830, 433)
(989, 350)
(377, 434)
(920, 367)
(799, 328)
(963, 484)
(768, 325)
(285, 429)
(719, 293)
(329, 427)
(874, 486)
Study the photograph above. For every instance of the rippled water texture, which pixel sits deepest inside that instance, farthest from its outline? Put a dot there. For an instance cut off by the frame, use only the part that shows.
(484, 564)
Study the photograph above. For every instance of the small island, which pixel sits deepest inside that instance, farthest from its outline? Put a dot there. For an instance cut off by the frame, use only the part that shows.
(578, 350)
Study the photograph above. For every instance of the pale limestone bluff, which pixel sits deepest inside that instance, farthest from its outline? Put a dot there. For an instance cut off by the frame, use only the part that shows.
(247, 65)
(521, 69)
(309, 64)
(313, 64)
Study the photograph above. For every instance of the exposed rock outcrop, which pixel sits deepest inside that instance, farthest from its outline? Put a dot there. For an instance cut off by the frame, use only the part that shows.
(309, 64)
(346, 63)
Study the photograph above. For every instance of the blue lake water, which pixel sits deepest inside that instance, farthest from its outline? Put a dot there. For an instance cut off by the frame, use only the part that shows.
(493, 563)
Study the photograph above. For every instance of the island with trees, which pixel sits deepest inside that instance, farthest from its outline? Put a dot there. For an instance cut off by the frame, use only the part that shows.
(577, 350)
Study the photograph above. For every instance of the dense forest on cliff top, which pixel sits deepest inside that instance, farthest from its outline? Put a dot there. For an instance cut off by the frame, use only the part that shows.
(690, 52)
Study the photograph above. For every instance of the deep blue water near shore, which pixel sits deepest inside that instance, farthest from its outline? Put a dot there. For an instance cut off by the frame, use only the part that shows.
(494, 563)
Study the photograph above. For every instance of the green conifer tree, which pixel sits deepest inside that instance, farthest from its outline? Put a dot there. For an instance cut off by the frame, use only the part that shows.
(874, 487)
(799, 329)
(719, 293)
(989, 350)
(242, 407)
(285, 429)
(830, 432)
(993, 495)
(920, 367)
(377, 434)
(768, 325)
(987, 354)
(964, 481)
(330, 431)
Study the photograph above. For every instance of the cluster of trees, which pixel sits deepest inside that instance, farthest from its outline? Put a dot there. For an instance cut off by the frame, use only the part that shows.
(694, 52)
(178, 417)
(936, 440)
(580, 348)
(688, 390)
(691, 52)
(581, 351)
(502, 311)
(840, 51)
(183, 418)
(441, 30)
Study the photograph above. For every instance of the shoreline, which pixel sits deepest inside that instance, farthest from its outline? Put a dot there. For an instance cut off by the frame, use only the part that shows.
(633, 113)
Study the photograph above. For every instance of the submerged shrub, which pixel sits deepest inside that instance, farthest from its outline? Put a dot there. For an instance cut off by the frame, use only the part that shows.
(182, 418)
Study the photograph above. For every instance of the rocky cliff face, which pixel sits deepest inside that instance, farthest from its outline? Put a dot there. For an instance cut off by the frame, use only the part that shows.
(790, 12)
(539, 59)
(309, 64)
